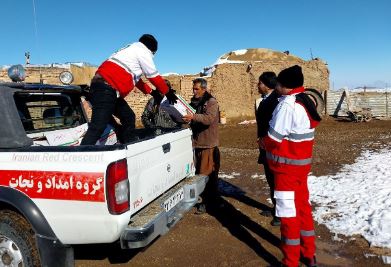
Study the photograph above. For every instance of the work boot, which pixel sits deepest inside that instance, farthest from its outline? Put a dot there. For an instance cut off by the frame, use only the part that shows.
(201, 209)
(266, 213)
(309, 262)
(218, 203)
(276, 221)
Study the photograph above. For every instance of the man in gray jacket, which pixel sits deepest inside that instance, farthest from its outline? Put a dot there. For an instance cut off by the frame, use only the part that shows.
(204, 124)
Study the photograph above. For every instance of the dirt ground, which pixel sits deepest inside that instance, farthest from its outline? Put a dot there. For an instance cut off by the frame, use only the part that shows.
(236, 234)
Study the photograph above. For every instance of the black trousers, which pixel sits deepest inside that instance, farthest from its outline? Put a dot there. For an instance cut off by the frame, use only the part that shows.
(105, 104)
(269, 175)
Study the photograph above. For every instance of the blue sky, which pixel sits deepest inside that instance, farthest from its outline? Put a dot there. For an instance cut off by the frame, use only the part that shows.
(352, 36)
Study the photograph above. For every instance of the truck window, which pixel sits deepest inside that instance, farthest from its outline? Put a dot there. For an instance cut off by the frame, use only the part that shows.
(42, 112)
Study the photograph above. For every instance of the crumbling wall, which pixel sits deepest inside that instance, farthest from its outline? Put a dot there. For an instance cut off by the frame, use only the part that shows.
(234, 84)
(49, 75)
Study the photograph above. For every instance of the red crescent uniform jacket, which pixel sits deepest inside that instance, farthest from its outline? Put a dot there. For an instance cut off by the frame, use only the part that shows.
(123, 70)
(290, 138)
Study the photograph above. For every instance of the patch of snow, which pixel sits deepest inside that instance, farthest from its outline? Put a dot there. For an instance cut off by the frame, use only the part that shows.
(170, 73)
(240, 52)
(81, 64)
(368, 255)
(370, 89)
(247, 122)
(357, 200)
(228, 176)
(386, 259)
(223, 59)
(208, 71)
(366, 89)
(225, 176)
(226, 60)
(337, 238)
(258, 176)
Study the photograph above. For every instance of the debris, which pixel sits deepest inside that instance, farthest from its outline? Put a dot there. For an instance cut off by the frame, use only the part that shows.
(357, 114)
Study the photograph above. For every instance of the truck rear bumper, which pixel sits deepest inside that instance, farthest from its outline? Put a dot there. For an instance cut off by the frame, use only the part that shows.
(154, 220)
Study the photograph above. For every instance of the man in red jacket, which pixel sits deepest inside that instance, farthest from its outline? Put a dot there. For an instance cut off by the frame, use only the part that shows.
(289, 145)
(115, 79)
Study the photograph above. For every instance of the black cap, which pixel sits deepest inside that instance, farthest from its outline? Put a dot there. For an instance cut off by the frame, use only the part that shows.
(269, 79)
(291, 77)
(149, 41)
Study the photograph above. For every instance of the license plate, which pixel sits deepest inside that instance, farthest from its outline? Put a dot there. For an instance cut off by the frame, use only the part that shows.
(174, 199)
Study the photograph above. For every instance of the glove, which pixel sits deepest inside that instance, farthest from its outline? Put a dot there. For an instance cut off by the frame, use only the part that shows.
(157, 97)
(171, 97)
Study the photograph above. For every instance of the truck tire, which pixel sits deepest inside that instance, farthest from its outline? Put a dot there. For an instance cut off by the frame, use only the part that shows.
(17, 242)
(317, 98)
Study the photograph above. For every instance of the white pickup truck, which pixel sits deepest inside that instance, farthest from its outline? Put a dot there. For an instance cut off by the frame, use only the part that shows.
(52, 197)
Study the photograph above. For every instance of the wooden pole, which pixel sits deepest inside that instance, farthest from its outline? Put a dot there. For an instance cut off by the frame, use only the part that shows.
(386, 100)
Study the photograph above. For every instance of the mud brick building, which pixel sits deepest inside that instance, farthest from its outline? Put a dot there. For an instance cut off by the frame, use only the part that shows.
(232, 79)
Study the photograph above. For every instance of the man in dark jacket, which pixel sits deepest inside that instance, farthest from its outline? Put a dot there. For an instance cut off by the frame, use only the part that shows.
(204, 124)
(266, 84)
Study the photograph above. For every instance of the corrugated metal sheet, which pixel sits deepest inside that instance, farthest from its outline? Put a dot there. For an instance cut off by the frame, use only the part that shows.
(378, 102)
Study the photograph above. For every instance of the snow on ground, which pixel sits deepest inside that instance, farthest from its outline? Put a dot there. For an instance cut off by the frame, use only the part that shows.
(233, 175)
(258, 176)
(357, 200)
(246, 122)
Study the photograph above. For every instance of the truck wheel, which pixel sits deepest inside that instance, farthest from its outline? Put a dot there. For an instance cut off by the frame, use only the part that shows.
(317, 98)
(17, 243)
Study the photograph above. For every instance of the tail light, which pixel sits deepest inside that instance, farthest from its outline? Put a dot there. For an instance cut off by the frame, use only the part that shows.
(117, 185)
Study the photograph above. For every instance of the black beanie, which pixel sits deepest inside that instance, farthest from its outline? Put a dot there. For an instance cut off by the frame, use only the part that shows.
(291, 77)
(269, 79)
(149, 41)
